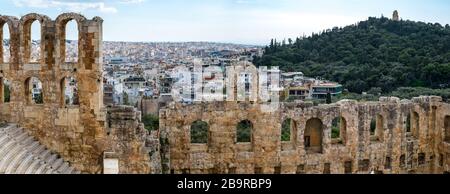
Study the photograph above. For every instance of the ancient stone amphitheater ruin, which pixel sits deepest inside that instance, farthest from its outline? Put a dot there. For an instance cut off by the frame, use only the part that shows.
(408, 136)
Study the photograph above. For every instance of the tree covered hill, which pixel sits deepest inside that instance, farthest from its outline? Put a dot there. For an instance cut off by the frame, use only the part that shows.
(376, 53)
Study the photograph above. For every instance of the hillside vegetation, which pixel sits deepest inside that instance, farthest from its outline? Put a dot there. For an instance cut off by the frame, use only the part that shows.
(376, 54)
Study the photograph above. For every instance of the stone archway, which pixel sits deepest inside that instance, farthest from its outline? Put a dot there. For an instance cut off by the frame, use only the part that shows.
(447, 128)
(313, 136)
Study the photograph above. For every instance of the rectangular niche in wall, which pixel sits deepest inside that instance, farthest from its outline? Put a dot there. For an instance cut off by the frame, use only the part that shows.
(387, 163)
(363, 165)
(348, 167)
(327, 168)
(300, 169)
(421, 159)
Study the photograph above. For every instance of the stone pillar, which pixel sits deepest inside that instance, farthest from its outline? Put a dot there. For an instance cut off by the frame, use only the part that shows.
(136, 149)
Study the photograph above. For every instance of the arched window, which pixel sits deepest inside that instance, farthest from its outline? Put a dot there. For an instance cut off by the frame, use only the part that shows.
(69, 88)
(313, 136)
(408, 124)
(373, 126)
(35, 42)
(71, 42)
(402, 160)
(6, 46)
(33, 91)
(288, 130)
(199, 132)
(5, 90)
(2, 97)
(244, 131)
(415, 124)
(377, 128)
(447, 128)
(32, 41)
(338, 130)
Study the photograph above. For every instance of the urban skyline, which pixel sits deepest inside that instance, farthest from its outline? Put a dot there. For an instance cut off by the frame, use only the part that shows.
(252, 22)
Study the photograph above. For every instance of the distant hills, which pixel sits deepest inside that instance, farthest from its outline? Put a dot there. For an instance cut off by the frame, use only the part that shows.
(378, 54)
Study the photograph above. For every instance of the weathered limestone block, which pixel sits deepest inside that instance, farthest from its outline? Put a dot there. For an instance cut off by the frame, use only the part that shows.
(389, 148)
(137, 150)
(79, 133)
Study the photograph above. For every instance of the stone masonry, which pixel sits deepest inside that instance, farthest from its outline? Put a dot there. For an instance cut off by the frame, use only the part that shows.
(392, 149)
(409, 136)
(79, 133)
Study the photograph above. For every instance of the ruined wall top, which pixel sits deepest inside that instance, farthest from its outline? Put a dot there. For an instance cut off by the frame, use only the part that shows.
(38, 82)
(431, 100)
(53, 39)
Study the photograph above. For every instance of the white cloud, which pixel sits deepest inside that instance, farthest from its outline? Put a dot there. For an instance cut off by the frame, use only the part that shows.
(75, 5)
(131, 1)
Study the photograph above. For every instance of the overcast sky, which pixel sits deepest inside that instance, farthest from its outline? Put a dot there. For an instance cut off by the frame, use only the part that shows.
(236, 21)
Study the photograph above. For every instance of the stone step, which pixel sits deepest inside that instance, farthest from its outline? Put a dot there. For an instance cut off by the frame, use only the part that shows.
(6, 129)
(46, 154)
(33, 147)
(69, 170)
(55, 165)
(63, 168)
(8, 158)
(48, 171)
(39, 150)
(3, 140)
(18, 159)
(21, 137)
(4, 149)
(52, 158)
(21, 153)
(41, 169)
(25, 164)
(33, 167)
(28, 141)
(13, 132)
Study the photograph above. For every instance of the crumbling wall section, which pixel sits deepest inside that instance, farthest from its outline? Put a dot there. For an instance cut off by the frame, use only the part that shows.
(77, 132)
(390, 149)
(137, 149)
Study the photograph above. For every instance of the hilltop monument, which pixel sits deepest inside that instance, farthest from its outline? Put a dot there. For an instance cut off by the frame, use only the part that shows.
(395, 16)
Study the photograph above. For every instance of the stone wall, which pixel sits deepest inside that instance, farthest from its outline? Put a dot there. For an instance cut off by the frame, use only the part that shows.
(359, 152)
(136, 148)
(79, 133)
(84, 134)
(76, 132)
(149, 106)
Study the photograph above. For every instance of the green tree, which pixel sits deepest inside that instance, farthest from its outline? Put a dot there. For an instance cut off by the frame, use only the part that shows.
(375, 91)
(336, 128)
(125, 97)
(286, 130)
(38, 99)
(244, 130)
(329, 101)
(7, 94)
(199, 132)
(151, 122)
(376, 53)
